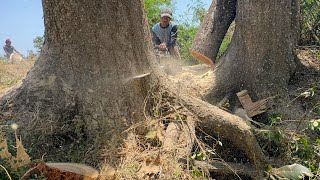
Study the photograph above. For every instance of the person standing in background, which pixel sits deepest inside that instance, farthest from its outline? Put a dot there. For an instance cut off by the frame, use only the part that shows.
(9, 49)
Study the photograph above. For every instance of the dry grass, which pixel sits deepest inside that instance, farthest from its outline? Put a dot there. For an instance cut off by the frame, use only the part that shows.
(14, 162)
(149, 155)
(11, 75)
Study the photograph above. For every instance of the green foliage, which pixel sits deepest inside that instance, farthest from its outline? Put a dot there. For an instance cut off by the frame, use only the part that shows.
(315, 124)
(275, 119)
(317, 53)
(188, 30)
(38, 43)
(309, 92)
(310, 24)
(11, 160)
(153, 8)
(200, 156)
(199, 14)
(185, 38)
(225, 43)
(196, 173)
(32, 55)
(301, 147)
(198, 11)
(203, 156)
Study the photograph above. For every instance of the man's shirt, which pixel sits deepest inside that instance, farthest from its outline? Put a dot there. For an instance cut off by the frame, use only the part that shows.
(8, 49)
(168, 34)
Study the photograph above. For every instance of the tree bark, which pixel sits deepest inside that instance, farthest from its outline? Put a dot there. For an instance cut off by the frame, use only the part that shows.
(260, 57)
(83, 77)
(214, 27)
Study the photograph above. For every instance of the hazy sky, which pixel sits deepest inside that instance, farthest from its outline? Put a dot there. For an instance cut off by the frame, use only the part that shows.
(22, 21)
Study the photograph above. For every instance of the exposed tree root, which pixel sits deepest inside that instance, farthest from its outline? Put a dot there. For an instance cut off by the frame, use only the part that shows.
(171, 137)
(214, 120)
(171, 140)
(230, 168)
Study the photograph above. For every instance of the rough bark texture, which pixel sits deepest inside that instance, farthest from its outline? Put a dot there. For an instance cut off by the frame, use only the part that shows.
(83, 78)
(260, 57)
(214, 27)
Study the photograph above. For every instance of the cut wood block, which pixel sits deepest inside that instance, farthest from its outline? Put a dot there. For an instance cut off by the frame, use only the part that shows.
(85, 171)
(63, 171)
(252, 108)
(202, 58)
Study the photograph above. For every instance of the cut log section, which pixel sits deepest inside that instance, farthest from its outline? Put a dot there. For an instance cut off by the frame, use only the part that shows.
(202, 58)
(252, 108)
(63, 171)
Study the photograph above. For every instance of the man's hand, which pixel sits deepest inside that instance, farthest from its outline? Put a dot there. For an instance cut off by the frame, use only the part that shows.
(163, 46)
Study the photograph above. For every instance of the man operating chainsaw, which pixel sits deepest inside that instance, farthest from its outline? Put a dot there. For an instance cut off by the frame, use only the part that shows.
(165, 34)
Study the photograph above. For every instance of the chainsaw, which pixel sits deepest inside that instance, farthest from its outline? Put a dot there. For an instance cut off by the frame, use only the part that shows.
(161, 53)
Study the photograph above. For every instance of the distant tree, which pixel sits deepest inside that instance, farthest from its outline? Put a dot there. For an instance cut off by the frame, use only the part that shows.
(198, 10)
(32, 55)
(187, 32)
(153, 8)
(38, 43)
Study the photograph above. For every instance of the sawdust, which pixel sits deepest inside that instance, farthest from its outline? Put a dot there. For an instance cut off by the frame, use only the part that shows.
(194, 80)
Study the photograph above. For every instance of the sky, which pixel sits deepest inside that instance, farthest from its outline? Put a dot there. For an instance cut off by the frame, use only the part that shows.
(22, 21)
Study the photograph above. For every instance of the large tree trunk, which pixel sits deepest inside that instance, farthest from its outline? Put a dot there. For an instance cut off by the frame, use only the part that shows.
(260, 57)
(80, 92)
(214, 27)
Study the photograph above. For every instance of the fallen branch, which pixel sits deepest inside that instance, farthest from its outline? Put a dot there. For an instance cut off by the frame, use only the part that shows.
(171, 138)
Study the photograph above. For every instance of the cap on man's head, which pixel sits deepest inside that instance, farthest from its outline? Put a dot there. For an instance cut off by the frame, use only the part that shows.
(166, 12)
(8, 41)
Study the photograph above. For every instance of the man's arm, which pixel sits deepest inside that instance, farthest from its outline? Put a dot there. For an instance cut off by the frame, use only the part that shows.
(174, 35)
(155, 39)
(14, 49)
(5, 50)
